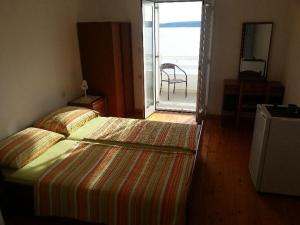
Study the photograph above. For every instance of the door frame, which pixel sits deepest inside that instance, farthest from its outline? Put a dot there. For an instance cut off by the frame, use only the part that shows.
(205, 58)
(156, 58)
(152, 109)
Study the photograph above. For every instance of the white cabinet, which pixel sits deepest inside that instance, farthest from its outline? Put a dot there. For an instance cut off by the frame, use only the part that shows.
(275, 154)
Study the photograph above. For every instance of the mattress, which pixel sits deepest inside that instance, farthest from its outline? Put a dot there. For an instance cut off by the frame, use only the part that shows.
(132, 132)
(30, 173)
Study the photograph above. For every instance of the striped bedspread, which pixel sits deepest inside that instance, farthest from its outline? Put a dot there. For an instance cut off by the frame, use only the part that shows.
(116, 186)
(135, 131)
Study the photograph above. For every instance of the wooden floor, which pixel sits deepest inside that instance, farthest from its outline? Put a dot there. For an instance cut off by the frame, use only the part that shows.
(222, 189)
(173, 117)
(222, 192)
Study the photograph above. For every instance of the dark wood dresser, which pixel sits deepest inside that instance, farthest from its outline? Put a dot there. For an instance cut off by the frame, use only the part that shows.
(106, 59)
(240, 98)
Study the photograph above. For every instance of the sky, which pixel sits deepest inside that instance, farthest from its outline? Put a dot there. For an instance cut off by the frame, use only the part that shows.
(180, 11)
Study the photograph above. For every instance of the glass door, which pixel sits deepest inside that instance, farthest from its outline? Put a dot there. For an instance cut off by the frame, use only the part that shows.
(177, 43)
(205, 58)
(149, 57)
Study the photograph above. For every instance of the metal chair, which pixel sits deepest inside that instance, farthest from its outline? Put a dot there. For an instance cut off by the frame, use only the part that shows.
(169, 79)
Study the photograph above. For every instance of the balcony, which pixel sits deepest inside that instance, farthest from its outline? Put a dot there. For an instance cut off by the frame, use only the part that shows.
(177, 100)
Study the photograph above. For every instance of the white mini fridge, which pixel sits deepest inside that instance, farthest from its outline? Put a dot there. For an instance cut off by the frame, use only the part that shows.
(275, 151)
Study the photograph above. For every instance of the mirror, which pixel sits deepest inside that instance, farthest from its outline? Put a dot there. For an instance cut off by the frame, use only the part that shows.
(255, 49)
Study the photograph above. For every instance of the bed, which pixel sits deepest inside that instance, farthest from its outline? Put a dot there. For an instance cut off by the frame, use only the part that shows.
(108, 184)
(111, 171)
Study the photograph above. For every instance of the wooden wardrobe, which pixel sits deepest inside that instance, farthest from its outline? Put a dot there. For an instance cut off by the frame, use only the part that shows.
(106, 59)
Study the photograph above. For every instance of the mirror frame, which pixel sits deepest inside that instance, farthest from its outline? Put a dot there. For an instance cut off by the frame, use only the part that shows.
(252, 77)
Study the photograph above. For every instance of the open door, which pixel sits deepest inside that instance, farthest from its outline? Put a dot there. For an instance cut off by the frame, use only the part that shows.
(149, 57)
(204, 58)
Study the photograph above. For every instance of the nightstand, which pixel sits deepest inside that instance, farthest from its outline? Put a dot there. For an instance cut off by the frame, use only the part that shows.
(97, 103)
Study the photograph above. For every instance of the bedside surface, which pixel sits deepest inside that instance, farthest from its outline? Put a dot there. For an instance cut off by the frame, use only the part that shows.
(86, 100)
(97, 103)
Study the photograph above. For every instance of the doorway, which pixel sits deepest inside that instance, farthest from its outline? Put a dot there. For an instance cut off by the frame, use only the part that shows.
(171, 55)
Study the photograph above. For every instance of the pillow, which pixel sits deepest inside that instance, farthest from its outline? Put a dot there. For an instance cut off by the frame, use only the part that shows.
(21, 148)
(66, 120)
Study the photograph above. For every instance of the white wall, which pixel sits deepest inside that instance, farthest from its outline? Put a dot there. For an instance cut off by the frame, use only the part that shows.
(292, 72)
(39, 58)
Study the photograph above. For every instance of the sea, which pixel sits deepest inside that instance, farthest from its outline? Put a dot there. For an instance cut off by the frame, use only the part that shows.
(180, 45)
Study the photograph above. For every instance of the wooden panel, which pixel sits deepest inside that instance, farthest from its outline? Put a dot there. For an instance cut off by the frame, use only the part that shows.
(254, 88)
(276, 90)
(231, 87)
(97, 59)
(91, 42)
(127, 68)
(119, 106)
(105, 51)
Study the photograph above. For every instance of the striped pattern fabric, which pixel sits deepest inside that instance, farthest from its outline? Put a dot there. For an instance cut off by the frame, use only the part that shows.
(116, 186)
(21, 148)
(66, 119)
(134, 131)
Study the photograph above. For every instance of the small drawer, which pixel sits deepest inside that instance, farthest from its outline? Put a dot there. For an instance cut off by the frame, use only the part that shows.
(100, 106)
(231, 89)
(255, 89)
(276, 91)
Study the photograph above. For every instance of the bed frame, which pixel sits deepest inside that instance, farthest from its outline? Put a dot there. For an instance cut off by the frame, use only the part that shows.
(17, 199)
(197, 154)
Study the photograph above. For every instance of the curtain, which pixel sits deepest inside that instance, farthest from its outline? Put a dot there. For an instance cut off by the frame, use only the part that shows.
(204, 57)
